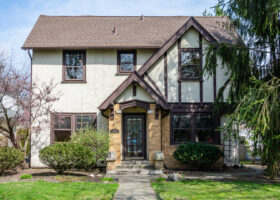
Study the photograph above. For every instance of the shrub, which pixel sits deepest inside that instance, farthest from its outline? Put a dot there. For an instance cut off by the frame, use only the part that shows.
(160, 179)
(97, 141)
(198, 155)
(26, 176)
(110, 179)
(68, 155)
(10, 158)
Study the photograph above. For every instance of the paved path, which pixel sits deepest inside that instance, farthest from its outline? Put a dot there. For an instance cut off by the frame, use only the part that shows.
(134, 186)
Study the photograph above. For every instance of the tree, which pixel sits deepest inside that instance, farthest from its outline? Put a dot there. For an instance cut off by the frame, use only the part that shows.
(254, 72)
(217, 11)
(30, 103)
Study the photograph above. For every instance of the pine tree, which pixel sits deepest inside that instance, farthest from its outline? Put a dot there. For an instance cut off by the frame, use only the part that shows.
(254, 68)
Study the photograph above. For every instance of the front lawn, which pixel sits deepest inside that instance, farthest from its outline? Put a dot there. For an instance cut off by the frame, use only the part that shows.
(52, 190)
(202, 189)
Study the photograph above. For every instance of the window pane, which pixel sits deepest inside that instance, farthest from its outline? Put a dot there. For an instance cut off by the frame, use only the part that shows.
(126, 61)
(62, 122)
(181, 121)
(204, 135)
(204, 121)
(82, 122)
(181, 135)
(74, 59)
(190, 64)
(62, 136)
(189, 71)
(74, 73)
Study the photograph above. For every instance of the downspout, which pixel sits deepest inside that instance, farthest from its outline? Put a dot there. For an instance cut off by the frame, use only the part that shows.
(31, 59)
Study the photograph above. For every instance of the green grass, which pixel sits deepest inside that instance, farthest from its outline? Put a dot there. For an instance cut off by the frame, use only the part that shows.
(52, 190)
(202, 189)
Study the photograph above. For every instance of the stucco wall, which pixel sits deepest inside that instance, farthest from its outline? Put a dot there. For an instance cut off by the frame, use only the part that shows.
(141, 94)
(101, 69)
(190, 89)
(172, 73)
(156, 72)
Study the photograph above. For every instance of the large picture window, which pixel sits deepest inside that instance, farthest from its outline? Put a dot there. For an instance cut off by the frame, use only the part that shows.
(74, 66)
(126, 61)
(63, 125)
(190, 64)
(192, 127)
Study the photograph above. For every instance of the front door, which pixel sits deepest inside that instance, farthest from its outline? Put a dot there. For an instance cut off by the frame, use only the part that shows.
(134, 136)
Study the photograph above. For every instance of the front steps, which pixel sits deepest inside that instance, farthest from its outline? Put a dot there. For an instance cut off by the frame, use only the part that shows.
(143, 167)
(135, 164)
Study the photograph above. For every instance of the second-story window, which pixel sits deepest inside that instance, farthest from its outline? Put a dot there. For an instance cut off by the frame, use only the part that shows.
(190, 64)
(126, 61)
(74, 66)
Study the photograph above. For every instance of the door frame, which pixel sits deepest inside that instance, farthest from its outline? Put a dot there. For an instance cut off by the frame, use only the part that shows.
(144, 135)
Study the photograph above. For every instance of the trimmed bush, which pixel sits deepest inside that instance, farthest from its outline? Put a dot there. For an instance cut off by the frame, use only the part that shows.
(65, 156)
(97, 141)
(10, 158)
(198, 155)
(25, 176)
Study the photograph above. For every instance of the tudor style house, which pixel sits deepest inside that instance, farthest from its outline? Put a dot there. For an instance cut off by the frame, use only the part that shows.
(137, 77)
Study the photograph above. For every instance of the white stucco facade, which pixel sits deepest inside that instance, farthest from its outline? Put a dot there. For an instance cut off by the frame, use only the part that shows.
(102, 79)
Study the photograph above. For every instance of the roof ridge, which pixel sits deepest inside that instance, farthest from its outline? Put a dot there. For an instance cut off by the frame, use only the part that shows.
(114, 15)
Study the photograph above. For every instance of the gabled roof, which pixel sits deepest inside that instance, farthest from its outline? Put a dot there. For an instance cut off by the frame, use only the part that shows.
(86, 32)
(192, 22)
(134, 77)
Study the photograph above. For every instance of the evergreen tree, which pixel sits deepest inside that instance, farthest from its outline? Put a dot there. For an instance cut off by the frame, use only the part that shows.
(254, 74)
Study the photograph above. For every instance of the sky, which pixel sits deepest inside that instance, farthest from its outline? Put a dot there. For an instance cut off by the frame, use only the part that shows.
(17, 17)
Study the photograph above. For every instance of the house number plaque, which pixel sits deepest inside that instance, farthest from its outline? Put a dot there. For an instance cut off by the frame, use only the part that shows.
(114, 130)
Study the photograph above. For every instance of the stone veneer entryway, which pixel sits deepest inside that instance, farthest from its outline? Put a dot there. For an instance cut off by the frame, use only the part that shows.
(152, 139)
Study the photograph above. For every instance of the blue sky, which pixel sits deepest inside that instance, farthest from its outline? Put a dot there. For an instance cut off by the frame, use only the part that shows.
(18, 16)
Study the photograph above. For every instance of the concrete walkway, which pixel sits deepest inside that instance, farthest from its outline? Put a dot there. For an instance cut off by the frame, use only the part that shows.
(133, 185)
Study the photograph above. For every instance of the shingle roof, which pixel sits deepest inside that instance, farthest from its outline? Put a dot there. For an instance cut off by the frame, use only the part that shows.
(80, 32)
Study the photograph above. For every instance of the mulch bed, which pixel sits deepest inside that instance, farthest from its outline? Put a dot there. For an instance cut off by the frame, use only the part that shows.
(50, 175)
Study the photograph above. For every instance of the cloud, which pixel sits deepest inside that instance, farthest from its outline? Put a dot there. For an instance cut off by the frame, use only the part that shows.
(19, 16)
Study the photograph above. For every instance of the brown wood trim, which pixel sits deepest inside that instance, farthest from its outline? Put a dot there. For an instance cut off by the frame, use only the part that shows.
(137, 78)
(179, 72)
(165, 77)
(191, 107)
(119, 52)
(200, 70)
(154, 84)
(135, 103)
(190, 23)
(215, 81)
(73, 122)
(134, 88)
(64, 67)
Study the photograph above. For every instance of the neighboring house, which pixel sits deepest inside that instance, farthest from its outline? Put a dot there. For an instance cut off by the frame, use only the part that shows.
(8, 103)
(137, 77)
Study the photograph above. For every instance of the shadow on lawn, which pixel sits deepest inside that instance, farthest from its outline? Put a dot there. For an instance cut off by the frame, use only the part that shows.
(55, 174)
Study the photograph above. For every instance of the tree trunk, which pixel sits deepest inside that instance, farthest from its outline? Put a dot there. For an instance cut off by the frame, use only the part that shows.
(25, 165)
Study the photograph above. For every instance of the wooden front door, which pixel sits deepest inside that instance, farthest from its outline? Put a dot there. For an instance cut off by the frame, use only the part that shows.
(134, 136)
